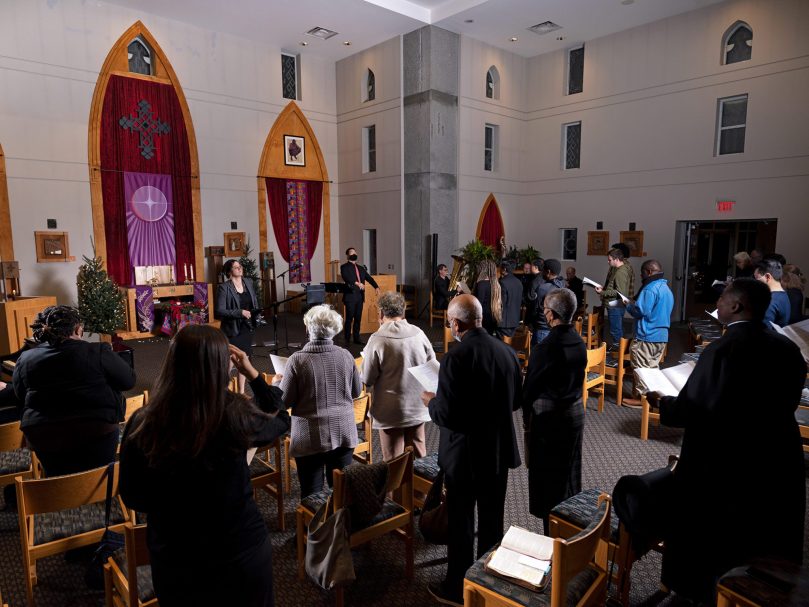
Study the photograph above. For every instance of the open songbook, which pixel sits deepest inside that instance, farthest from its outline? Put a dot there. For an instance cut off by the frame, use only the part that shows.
(799, 334)
(427, 374)
(590, 282)
(523, 557)
(279, 364)
(669, 381)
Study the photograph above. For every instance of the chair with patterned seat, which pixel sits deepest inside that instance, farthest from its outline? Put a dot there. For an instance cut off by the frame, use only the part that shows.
(15, 460)
(648, 414)
(521, 343)
(578, 572)
(266, 472)
(595, 372)
(617, 365)
(60, 513)
(395, 516)
(425, 471)
(589, 329)
(364, 451)
(128, 574)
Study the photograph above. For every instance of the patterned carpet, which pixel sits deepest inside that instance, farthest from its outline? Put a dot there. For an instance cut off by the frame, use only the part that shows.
(612, 448)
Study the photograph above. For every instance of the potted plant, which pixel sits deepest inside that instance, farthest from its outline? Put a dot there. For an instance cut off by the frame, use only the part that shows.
(473, 253)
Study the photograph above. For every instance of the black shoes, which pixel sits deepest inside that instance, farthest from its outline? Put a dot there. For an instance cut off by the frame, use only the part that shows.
(440, 594)
(357, 340)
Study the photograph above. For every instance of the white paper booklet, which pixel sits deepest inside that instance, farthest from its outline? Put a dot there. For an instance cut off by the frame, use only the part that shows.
(714, 314)
(718, 282)
(590, 282)
(279, 364)
(669, 381)
(523, 555)
(427, 374)
(799, 334)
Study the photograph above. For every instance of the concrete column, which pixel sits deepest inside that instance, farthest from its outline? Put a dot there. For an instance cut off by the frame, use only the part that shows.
(430, 97)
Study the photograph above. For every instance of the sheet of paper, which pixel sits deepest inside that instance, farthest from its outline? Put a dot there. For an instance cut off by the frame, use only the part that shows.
(427, 374)
(251, 453)
(530, 561)
(623, 297)
(718, 282)
(589, 281)
(714, 314)
(528, 543)
(279, 364)
(655, 381)
(799, 334)
(507, 562)
(679, 374)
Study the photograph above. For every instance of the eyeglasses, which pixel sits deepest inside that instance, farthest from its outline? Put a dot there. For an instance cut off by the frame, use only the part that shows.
(448, 322)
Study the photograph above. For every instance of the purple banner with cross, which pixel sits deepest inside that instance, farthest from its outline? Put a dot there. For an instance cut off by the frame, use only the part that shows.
(149, 219)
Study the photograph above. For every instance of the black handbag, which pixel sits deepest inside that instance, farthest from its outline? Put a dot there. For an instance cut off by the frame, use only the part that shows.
(434, 519)
(111, 541)
(328, 548)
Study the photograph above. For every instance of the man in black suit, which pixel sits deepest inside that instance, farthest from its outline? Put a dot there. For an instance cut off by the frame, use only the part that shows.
(441, 295)
(355, 276)
(739, 490)
(511, 296)
(478, 389)
(575, 284)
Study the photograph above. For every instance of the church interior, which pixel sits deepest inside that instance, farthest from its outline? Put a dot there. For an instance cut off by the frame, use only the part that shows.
(151, 143)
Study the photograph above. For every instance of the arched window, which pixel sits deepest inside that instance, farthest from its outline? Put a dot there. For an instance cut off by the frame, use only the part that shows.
(368, 86)
(737, 43)
(140, 57)
(493, 83)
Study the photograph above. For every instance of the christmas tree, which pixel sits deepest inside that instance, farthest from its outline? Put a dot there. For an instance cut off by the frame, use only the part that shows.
(250, 268)
(101, 304)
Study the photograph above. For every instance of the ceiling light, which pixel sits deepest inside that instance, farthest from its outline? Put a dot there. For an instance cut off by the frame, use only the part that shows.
(560, 37)
(321, 32)
(303, 43)
(627, 2)
(545, 27)
(347, 43)
(514, 38)
(468, 20)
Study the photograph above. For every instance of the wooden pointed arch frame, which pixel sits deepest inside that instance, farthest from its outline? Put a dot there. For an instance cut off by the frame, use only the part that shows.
(6, 242)
(117, 64)
(291, 121)
(490, 200)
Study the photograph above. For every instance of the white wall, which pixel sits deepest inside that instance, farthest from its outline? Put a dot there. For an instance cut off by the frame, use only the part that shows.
(371, 200)
(50, 56)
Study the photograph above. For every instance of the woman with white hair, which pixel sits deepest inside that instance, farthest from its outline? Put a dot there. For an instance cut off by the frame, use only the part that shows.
(320, 384)
(552, 409)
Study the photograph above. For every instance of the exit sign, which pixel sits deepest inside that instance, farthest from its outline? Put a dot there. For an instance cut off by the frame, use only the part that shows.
(725, 206)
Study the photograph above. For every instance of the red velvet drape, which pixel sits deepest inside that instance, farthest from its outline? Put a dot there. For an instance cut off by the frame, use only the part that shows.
(120, 152)
(491, 229)
(277, 202)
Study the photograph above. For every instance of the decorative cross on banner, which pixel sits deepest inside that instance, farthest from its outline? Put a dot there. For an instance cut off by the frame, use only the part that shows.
(146, 125)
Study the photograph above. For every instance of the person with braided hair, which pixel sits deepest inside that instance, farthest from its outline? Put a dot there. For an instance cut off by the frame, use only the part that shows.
(71, 394)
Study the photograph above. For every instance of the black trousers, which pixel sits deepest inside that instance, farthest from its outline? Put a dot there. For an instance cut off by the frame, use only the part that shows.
(353, 315)
(75, 451)
(310, 468)
(489, 493)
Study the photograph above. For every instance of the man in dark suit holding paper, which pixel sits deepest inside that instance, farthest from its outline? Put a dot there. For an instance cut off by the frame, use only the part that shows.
(478, 391)
(355, 276)
(741, 459)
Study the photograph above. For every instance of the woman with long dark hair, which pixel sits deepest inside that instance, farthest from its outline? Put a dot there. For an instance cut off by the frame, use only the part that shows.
(487, 290)
(71, 394)
(235, 302)
(183, 462)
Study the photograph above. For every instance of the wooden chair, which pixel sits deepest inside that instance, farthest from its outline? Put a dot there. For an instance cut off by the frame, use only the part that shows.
(617, 366)
(441, 315)
(802, 417)
(425, 471)
(123, 587)
(60, 513)
(647, 415)
(364, 451)
(521, 342)
(396, 516)
(595, 373)
(588, 328)
(584, 552)
(233, 384)
(14, 459)
(133, 403)
(411, 298)
(267, 473)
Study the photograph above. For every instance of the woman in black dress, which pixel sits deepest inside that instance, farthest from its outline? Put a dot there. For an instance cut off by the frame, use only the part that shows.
(183, 463)
(235, 303)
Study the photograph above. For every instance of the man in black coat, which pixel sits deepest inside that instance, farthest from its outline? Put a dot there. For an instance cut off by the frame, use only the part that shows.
(441, 294)
(355, 276)
(740, 483)
(478, 389)
(511, 296)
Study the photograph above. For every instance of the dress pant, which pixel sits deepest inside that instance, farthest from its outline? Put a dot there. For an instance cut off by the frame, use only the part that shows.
(395, 440)
(489, 493)
(310, 468)
(353, 315)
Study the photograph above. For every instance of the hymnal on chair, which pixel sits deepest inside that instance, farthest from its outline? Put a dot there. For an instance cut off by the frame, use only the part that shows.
(523, 558)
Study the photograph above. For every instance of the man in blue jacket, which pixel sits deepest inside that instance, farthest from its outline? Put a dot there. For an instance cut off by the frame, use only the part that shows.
(652, 313)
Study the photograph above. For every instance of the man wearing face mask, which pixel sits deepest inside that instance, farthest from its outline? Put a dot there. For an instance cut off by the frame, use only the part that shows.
(355, 276)
(478, 389)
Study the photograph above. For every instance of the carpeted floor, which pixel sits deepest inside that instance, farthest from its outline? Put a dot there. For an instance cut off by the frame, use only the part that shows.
(612, 448)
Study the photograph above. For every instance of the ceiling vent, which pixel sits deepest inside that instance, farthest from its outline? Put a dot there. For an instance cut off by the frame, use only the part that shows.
(544, 28)
(321, 32)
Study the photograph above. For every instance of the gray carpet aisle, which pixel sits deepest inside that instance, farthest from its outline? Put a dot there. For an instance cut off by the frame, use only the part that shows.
(612, 448)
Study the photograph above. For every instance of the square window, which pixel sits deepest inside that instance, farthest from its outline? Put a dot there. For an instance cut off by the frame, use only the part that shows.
(731, 125)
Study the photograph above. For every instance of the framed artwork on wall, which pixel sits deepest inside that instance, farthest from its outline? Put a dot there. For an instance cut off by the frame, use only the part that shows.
(52, 246)
(634, 240)
(294, 151)
(598, 242)
(234, 244)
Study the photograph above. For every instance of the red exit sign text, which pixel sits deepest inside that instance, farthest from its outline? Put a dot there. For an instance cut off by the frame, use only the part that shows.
(725, 206)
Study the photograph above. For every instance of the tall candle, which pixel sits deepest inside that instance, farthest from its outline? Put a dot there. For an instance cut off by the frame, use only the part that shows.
(192, 272)
(185, 271)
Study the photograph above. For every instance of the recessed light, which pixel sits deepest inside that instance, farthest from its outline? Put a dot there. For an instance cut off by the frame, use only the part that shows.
(468, 20)
(560, 37)
(321, 32)
(627, 2)
(347, 43)
(514, 38)
(303, 43)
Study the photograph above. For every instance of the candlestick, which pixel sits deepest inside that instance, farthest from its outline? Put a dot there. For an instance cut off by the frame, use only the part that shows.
(185, 272)
(192, 272)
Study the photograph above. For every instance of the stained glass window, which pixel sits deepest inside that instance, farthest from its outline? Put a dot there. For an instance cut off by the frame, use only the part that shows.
(289, 76)
(575, 76)
(572, 145)
(140, 57)
(370, 86)
(738, 44)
